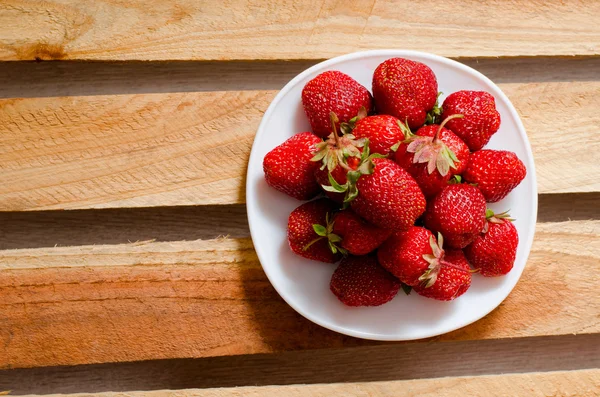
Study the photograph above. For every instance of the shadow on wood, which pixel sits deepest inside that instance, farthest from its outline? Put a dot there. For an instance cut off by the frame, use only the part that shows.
(361, 364)
(68, 78)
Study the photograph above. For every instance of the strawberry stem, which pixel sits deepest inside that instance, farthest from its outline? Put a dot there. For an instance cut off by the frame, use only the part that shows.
(307, 246)
(334, 120)
(500, 218)
(443, 123)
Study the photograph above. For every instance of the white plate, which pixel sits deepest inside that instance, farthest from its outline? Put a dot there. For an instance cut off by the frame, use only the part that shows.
(304, 284)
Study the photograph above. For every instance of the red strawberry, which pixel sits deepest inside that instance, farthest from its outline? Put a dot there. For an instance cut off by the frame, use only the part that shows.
(388, 197)
(433, 156)
(357, 236)
(339, 175)
(338, 155)
(302, 234)
(348, 233)
(360, 281)
(405, 89)
(382, 131)
(481, 119)
(457, 212)
(336, 92)
(402, 254)
(496, 173)
(494, 251)
(452, 280)
(289, 169)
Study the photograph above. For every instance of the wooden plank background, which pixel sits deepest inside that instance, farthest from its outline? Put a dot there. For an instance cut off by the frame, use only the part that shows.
(247, 29)
(150, 282)
(157, 149)
(151, 300)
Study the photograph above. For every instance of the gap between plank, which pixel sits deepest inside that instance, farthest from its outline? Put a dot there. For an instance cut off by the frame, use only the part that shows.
(125, 225)
(72, 78)
(361, 364)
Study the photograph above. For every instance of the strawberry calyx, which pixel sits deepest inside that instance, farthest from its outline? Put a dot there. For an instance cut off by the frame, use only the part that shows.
(492, 217)
(327, 232)
(365, 167)
(436, 261)
(455, 180)
(433, 151)
(408, 135)
(434, 114)
(405, 288)
(348, 127)
(338, 150)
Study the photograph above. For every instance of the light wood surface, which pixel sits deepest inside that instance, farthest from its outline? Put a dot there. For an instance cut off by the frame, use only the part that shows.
(113, 151)
(246, 29)
(583, 383)
(151, 300)
(192, 148)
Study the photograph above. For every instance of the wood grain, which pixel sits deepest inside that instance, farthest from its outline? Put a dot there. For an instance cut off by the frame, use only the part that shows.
(192, 148)
(403, 361)
(77, 305)
(584, 383)
(249, 29)
(127, 151)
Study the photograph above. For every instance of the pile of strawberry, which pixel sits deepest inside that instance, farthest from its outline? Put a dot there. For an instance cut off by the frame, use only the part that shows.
(406, 184)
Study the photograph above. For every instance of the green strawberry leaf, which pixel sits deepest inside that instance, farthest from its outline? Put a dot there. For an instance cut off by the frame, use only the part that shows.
(335, 186)
(366, 151)
(366, 168)
(434, 114)
(346, 128)
(331, 189)
(353, 176)
(319, 156)
(455, 179)
(452, 156)
(320, 230)
(351, 195)
(334, 238)
(408, 134)
(333, 248)
(442, 165)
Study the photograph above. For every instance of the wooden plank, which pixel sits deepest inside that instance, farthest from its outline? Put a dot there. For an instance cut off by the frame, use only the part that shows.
(127, 151)
(107, 303)
(403, 361)
(583, 383)
(253, 29)
(192, 148)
